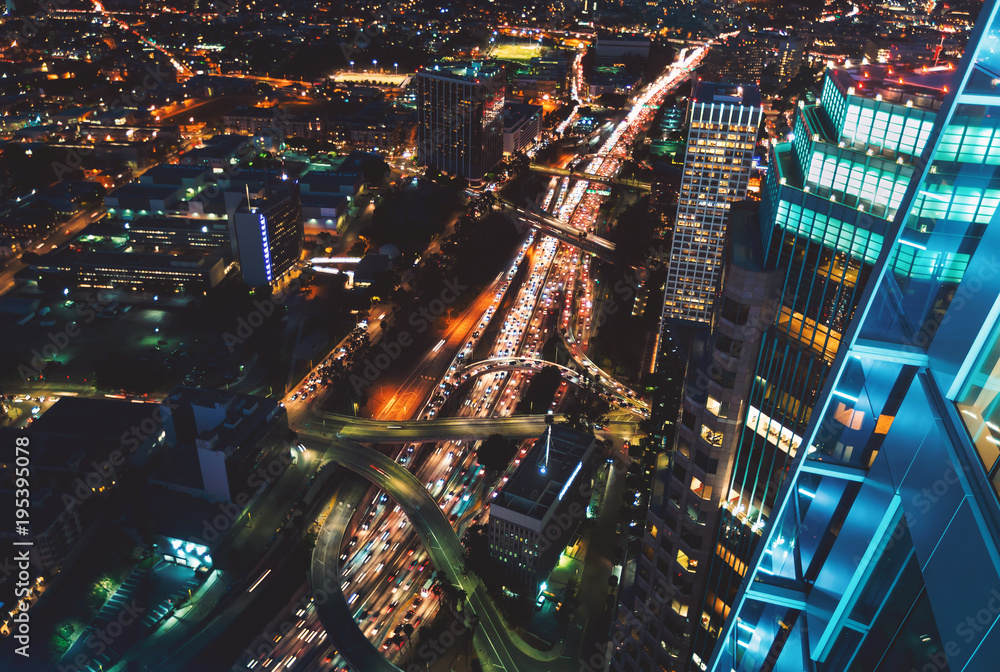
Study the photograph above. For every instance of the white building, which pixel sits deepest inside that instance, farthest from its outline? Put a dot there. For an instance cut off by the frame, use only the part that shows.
(722, 130)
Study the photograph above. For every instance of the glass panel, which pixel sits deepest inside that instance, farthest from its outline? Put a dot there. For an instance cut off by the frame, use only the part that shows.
(943, 225)
(979, 403)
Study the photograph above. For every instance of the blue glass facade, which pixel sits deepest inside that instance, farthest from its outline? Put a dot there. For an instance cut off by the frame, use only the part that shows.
(880, 550)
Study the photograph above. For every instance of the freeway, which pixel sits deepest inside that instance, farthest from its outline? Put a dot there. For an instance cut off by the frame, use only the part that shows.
(503, 648)
(439, 429)
(324, 579)
(578, 238)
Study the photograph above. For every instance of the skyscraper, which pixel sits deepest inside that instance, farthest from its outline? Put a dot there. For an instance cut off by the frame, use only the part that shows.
(460, 118)
(882, 549)
(828, 203)
(722, 130)
(268, 235)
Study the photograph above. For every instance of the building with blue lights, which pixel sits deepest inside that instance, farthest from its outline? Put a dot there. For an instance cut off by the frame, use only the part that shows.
(794, 279)
(879, 550)
(537, 511)
(267, 235)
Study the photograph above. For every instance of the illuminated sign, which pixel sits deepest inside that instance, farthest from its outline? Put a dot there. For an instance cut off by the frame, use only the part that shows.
(267, 248)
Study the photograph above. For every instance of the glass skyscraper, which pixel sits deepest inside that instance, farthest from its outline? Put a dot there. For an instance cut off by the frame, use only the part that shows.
(795, 279)
(880, 549)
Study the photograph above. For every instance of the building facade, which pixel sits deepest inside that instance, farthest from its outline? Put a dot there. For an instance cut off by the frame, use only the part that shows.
(460, 118)
(882, 548)
(828, 203)
(722, 131)
(537, 511)
(267, 236)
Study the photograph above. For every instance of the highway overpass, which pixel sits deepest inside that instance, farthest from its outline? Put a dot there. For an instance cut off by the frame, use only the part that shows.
(332, 425)
(610, 385)
(325, 582)
(578, 175)
(505, 650)
(595, 245)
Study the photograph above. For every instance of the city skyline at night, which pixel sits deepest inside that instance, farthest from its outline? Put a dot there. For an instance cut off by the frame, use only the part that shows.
(523, 337)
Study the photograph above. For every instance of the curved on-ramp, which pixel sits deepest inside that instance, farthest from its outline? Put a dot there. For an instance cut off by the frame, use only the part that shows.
(325, 581)
(441, 543)
(612, 386)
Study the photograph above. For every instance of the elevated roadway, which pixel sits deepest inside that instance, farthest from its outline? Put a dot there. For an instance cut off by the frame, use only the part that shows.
(580, 175)
(504, 650)
(611, 386)
(332, 425)
(587, 242)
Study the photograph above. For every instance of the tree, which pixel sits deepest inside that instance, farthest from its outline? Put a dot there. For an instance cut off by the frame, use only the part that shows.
(587, 409)
(495, 453)
(375, 171)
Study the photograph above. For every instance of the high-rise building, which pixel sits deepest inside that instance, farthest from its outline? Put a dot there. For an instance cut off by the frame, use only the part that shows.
(828, 204)
(267, 235)
(460, 118)
(881, 551)
(722, 131)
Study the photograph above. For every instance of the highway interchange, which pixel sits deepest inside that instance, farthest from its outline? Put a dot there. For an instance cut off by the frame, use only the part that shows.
(432, 486)
(382, 568)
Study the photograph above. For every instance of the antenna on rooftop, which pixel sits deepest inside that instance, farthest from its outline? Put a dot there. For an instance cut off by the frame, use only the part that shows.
(548, 439)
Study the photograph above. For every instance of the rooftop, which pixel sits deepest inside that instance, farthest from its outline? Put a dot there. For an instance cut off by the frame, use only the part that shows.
(468, 70)
(894, 83)
(535, 488)
(732, 94)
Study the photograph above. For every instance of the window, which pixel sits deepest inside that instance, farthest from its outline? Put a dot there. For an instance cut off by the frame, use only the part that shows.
(979, 404)
(735, 312)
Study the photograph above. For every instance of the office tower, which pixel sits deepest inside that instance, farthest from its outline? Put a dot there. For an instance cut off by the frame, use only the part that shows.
(268, 235)
(828, 203)
(537, 511)
(722, 130)
(789, 57)
(881, 549)
(460, 118)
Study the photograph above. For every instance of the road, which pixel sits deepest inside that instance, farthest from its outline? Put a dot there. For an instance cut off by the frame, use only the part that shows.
(59, 235)
(436, 430)
(442, 545)
(626, 398)
(576, 174)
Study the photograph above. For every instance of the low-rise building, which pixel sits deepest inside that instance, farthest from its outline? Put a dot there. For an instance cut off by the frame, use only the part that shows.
(522, 126)
(537, 511)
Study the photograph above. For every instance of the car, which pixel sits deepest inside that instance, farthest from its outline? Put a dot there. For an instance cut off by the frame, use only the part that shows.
(410, 614)
(539, 602)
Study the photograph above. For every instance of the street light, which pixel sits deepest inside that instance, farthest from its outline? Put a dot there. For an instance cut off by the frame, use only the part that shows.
(396, 65)
(352, 66)
(374, 63)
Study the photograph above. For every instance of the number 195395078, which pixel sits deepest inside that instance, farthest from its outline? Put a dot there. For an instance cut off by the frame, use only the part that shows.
(22, 473)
